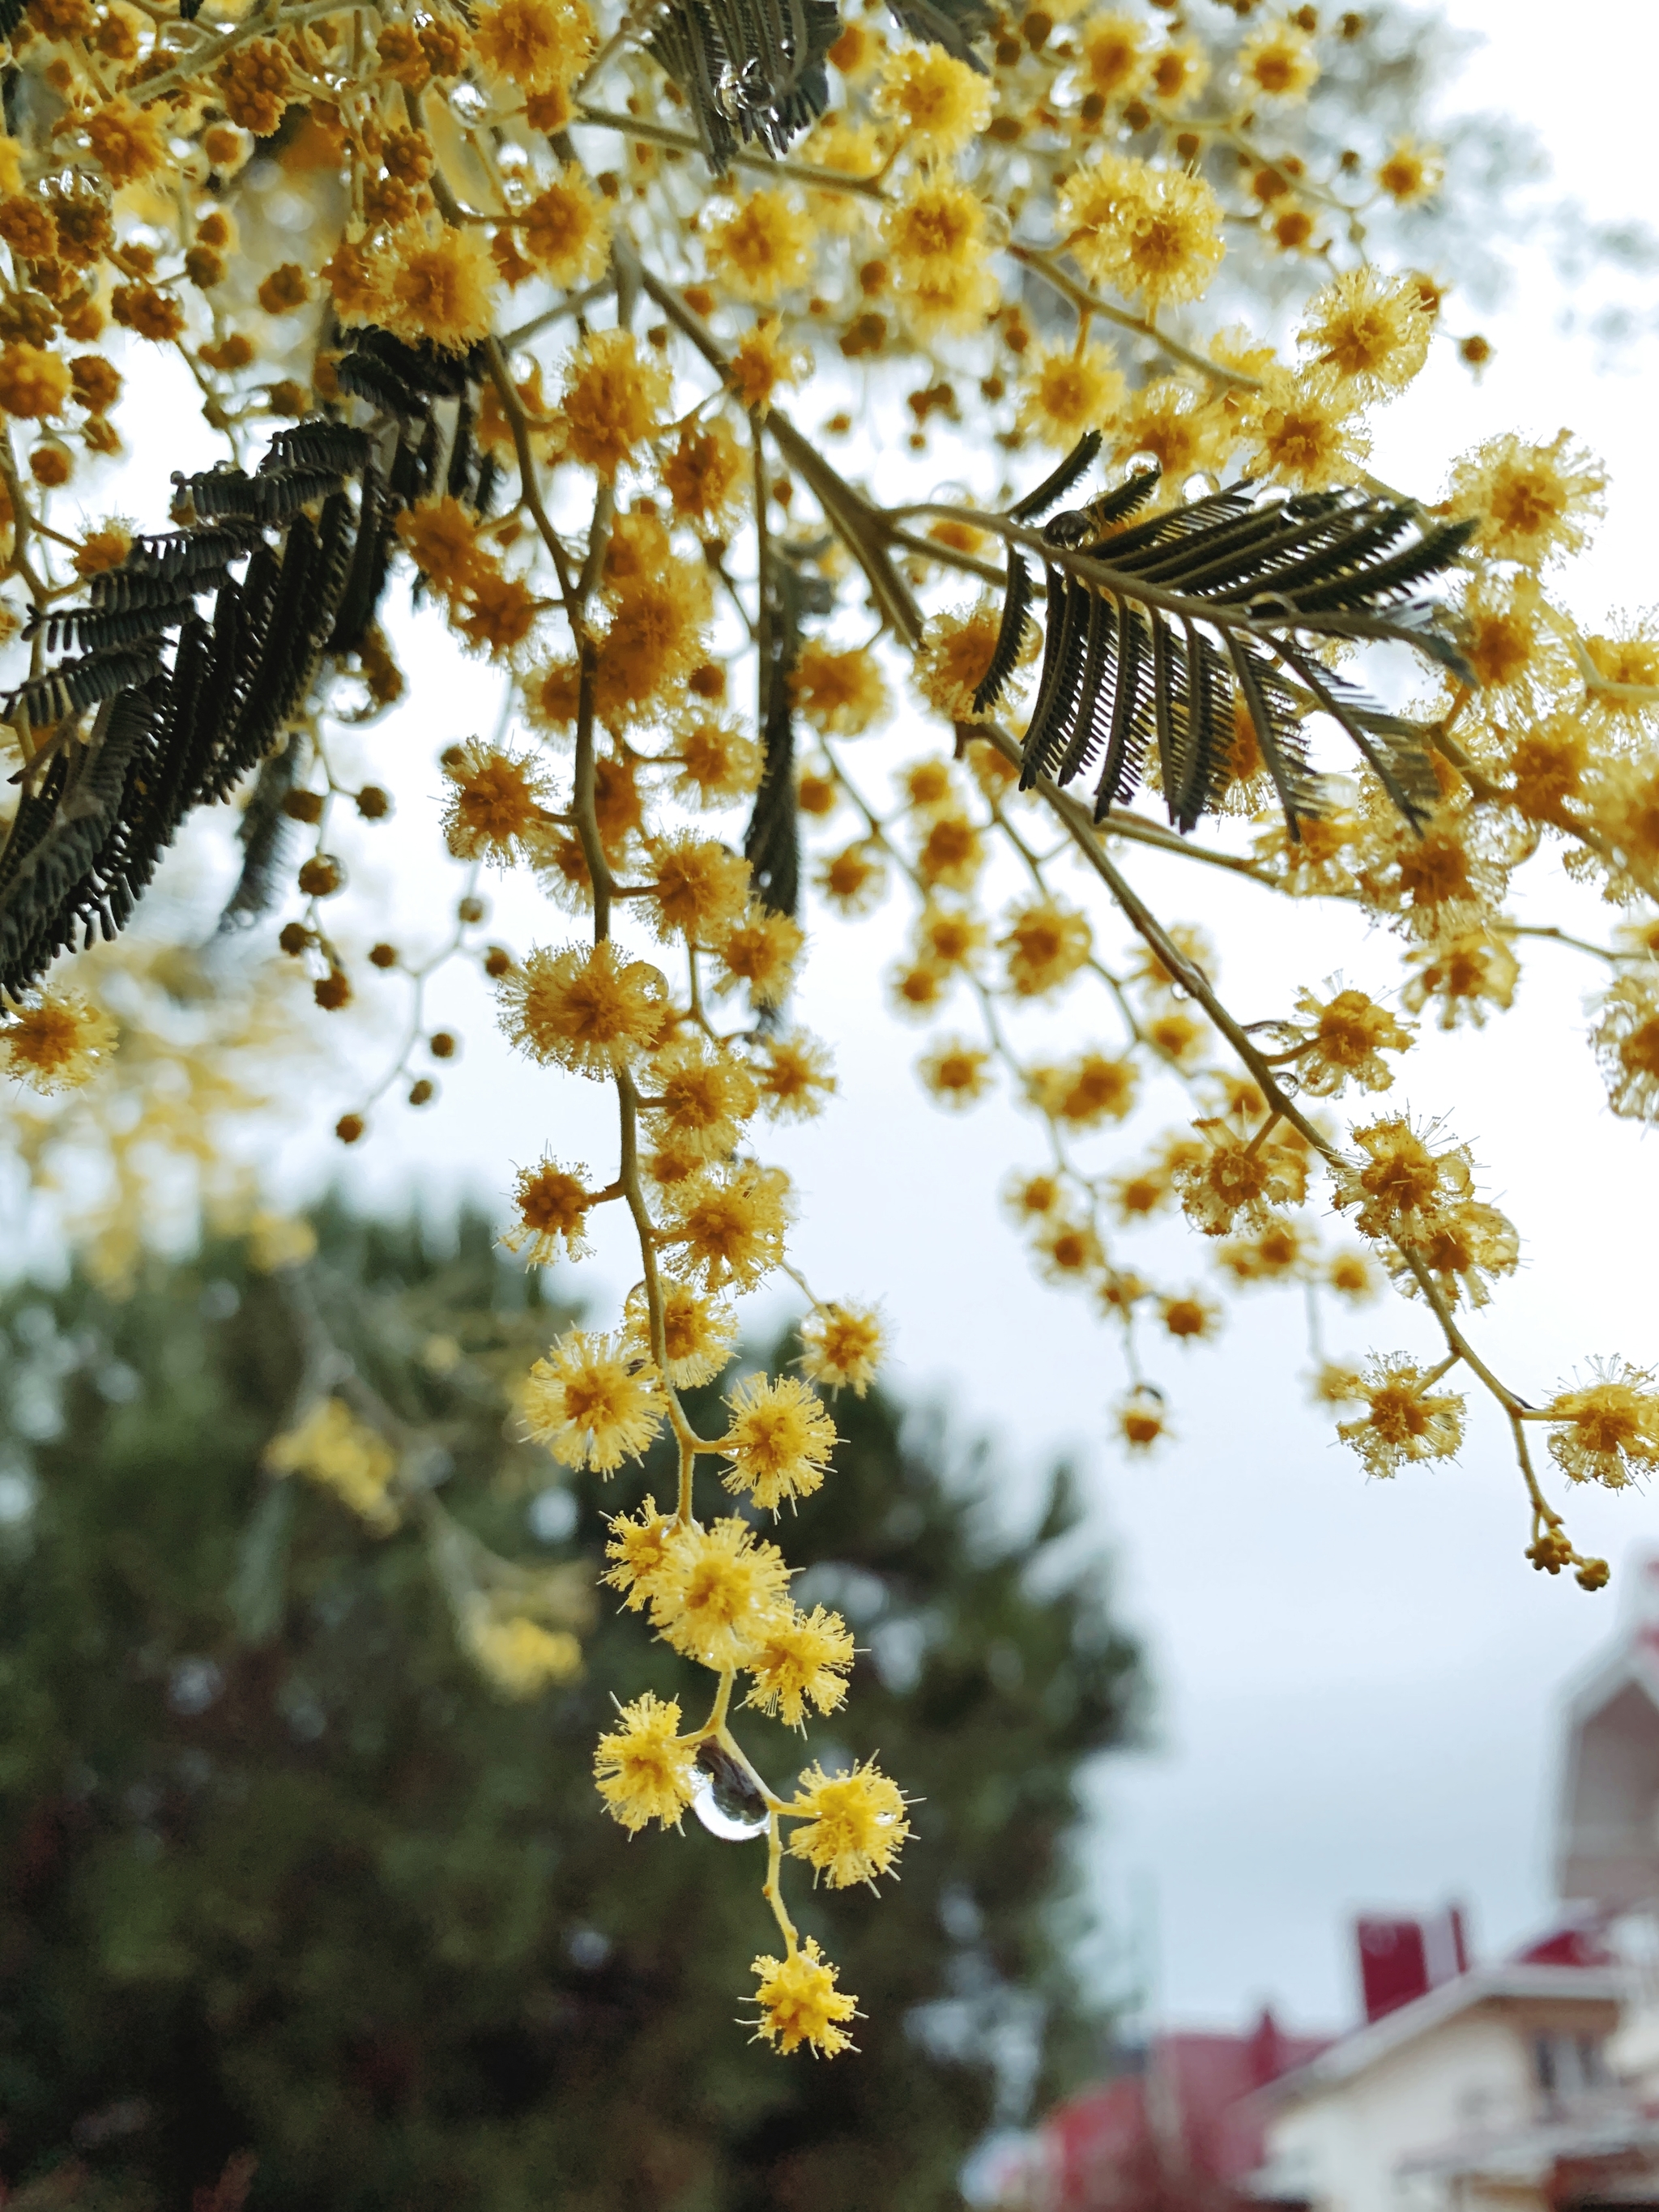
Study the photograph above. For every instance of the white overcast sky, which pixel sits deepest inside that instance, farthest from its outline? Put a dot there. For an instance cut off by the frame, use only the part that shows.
(1357, 1684)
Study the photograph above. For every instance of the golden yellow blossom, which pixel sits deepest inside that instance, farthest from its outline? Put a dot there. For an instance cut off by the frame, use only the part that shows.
(1608, 1428)
(592, 1402)
(1372, 330)
(1345, 1036)
(1405, 1420)
(1530, 503)
(799, 2002)
(519, 1654)
(613, 401)
(842, 1347)
(1150, 233)
(939, 102)
(728, 1226)
(1044, 945)
(799, 1657)
(840, 693)
(718, 1592)
(957, 1073)
(565, 230)
(764, 250)
(643, 1771)
(553, 1203)
(332, 1447)
(637, 1549)
(588, 1007)
(1279, 61)
(779, 1441)
(55, 1040)
(1066, 392)
(852, 1825)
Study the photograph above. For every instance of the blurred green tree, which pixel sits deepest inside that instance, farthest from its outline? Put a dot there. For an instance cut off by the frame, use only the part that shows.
(287, 1880)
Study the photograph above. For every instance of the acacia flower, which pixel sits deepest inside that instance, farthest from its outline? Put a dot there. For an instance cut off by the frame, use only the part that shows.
(761, 948)
(1626, 1042)
(1087, 1092)
(441, 537)
(940, 103)
(1143, 1419)
(1404, 1422)
(718, 765)
(728, 1226)
(1279, 61)
(1412, 174)
(794, 1074)
(553, 1203)
(498, 798)
(764, 250)
(718, 1592)
(702, 888)
(780, 1441)
(952, 662)
(592, 1402)
(1401, 1183)
(332, 1447)
(613, 401)
(1610, 1426)
(699, 1334)
(1067, 391)
(1372, 330)
(957, 1073)
(637, 1549)
(800, 1657)
(1277, 1252)
(587, 1007)
(1113, 58)
(1343, 1039)
(1462, 1247)
(1189, 1318)
(1464, 975)
(842, 1346)
(936, 225)
(703, 1094)
(566, 230)
(840, 693)
(1068, 1250)
(55, 1042)
(762, 360)
(799, 2002)
(1046, 944)
(706, 474)
(1353, 1275)
(949, 938)
(1146, 233)
(1228, 1181)
(519, 1654)
(1530, 503)
(853, 880)
(853, 1825)
(533, 43)
(442, 289)
(1305, 430)
(641, 1768)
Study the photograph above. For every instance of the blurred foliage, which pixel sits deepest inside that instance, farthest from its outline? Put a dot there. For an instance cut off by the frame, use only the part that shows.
(286, 1880)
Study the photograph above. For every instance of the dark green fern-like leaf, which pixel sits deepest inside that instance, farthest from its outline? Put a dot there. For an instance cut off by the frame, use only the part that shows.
(1156, 632)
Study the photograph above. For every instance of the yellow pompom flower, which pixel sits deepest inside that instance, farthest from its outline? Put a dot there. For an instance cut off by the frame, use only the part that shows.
(1146, 233)
(1404, 1421)
(1412, 174)
(1279, 61)
(702, 888)
(1345, 1037)
(1066, 392)
(799, 1657)
(700, 1336)
(840, 693)
(1608, 1429)
(533, 43)
(1113, 56)
(799, 2002)
(1371, 330)
(957, 1073)
(613, 401)
(587, 1008)
(795, 1076)
(939, 103)
(1530, 503)
(728, 1227)
(760, 949)
(565, 231)
(1304, 430)
(1226, 1182)
(636, 1550)
(498, 798)
(707, 475)
(764, 250)
(853, 1825)
(951, 665)
(592, 1402)
(1626, 1042)
(718, 1592)
(332, 1447)
(1400, 1183)
(56, 1042)
(938, 225)
(842, 1347)
(641, 1768)
(780, 1440)
(553, 1204)
(1045, 945)
(441, 288)
(519, 1654)
(702, 1096)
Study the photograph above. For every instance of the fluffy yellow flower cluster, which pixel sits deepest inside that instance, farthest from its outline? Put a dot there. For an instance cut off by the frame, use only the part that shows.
(508, 297)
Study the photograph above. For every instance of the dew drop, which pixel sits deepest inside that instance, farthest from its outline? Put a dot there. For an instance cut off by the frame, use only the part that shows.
(725, 1801)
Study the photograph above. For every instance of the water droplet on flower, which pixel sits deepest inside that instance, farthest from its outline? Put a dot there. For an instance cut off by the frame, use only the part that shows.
(468, 105)
(725, 1801)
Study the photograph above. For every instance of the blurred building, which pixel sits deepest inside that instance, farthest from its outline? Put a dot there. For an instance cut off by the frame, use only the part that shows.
(1529, 2084)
